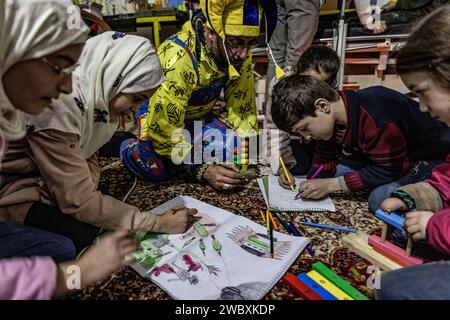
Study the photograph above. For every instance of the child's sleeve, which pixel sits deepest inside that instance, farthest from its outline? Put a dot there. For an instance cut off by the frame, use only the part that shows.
(440, 180)
(69, 184)
(241, 101)
(419, 196)
(386, 149)
(438, 231)
(27, 278)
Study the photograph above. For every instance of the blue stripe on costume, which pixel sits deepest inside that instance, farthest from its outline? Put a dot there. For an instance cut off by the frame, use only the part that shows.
(251, 13)
(205, 94)
(181, 43)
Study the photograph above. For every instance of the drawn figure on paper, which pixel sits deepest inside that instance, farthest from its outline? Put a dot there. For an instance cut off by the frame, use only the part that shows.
(244, 291)
(151, 252)
(217, 246)
(258, 244)
(201, 228)
(184, 271)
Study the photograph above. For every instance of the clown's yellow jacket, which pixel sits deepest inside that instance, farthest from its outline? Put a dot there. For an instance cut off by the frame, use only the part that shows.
(169, 109)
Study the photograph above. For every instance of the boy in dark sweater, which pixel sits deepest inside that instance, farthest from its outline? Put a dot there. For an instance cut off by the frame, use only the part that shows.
(372, 138)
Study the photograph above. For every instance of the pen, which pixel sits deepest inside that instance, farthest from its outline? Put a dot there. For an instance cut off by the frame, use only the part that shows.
(312, 178)
(286, 173)
(267, 221)
(297, 234)
(271, 238)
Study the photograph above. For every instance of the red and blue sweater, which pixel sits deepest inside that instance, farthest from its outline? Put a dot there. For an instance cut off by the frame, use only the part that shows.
(385, 132)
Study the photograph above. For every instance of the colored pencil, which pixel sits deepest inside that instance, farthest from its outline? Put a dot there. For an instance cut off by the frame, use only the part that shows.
(286, 173)
(274, 224)
(282, 222)
(316, 173)
(324, 226)
(297, 196)
(262, 216)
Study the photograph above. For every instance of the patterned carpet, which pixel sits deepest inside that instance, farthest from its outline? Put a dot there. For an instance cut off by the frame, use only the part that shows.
(352, 211)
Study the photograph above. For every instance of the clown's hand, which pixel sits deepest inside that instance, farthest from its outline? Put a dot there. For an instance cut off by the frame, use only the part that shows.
(223, 177)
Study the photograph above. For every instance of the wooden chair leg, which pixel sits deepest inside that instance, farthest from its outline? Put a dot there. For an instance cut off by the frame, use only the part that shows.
(409, 246)
(384, 232)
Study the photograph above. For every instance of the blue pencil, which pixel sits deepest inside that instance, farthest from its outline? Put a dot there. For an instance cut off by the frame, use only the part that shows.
(296, 233)
(318, 225)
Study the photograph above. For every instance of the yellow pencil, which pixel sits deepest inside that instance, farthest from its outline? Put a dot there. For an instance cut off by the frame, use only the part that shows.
(267, 221)
(274, 224)
(287, 174)
(262, 215)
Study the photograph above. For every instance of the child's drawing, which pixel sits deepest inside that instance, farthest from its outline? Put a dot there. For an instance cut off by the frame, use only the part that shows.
(258, 244)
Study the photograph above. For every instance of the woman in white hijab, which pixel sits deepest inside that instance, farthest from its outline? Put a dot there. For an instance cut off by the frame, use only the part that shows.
(37, 54)
(53, 172)
(37, 51)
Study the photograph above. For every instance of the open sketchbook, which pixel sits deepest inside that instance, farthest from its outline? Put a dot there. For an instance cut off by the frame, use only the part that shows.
(279, 199)
(223, 256)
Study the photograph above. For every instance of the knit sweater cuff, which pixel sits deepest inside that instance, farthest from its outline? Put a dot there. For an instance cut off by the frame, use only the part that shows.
(406, 198)
(343, 185)
(198, 171)
(353, 181)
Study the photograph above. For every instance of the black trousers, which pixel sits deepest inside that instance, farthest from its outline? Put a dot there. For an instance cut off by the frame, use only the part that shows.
(50, 218)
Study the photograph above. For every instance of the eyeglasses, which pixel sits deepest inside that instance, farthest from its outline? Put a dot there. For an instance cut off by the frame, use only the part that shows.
(234, 45)
(62, 72)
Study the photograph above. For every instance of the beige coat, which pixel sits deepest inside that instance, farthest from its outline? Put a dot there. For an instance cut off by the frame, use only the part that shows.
(48, 167)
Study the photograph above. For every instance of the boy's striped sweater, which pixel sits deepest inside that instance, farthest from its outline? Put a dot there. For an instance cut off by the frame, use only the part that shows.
(385, 132)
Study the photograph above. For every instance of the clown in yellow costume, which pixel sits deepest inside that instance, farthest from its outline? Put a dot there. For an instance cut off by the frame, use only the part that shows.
(211, 53)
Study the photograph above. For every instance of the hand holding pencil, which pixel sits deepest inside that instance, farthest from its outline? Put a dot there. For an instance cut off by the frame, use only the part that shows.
(285, 179)
(301, 189)
(318, 188)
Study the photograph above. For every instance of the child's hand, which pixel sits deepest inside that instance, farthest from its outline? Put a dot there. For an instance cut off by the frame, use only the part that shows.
(175, 220)
(393, 204)
(108, 254)
(416, 224)
(318, 188)
(283, 180)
